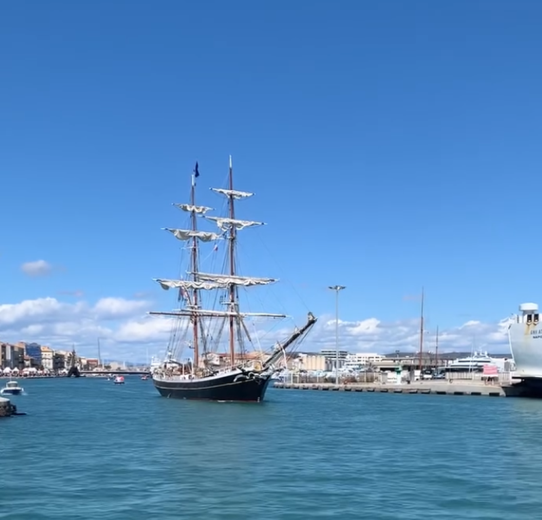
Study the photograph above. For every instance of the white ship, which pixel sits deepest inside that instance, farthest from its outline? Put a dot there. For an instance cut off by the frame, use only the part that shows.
(474, 363)
(525, 336)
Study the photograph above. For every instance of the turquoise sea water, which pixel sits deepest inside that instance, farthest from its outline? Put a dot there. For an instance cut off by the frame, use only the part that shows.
(89, 449)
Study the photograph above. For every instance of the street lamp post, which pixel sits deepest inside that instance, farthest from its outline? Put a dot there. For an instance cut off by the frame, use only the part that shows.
(337, 288)
(100, 365)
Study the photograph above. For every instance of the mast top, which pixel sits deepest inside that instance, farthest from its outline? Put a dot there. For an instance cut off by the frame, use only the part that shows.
(195, 174)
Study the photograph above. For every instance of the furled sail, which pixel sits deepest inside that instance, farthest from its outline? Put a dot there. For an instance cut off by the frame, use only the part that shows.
(219, 314)
(233, 193)
(227, 223)
(187, 234)
(200, 210)
(213, 281)
(188, 284)
(235, 280)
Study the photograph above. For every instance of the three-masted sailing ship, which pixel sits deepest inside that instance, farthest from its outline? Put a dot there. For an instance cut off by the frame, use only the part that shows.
(233, 376)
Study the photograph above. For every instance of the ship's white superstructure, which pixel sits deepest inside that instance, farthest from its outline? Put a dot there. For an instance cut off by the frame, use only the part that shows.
(525, 336)
(474, 363)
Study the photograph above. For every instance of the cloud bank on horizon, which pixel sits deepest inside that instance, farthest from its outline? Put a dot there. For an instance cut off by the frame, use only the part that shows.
(127, 332)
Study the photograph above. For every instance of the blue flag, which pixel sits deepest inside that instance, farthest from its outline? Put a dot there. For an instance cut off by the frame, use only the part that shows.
(196, 170)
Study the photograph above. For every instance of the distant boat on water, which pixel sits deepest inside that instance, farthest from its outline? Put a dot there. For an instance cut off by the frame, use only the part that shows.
(73, 371)
(12, 388)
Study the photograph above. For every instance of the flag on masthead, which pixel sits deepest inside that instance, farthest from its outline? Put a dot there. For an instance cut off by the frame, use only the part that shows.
(195, 174)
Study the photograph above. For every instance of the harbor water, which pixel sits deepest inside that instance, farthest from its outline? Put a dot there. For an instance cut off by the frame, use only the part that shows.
(90, 449)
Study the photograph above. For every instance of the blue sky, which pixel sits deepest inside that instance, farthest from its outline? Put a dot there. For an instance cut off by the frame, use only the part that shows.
(390, 145)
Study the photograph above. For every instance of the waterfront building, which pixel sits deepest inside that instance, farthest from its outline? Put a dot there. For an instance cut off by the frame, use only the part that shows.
(11, 356)
(47, 358)
(362, 359)
(311, 361)
(59, 361)
(33, 351)
(91, 364)
(331, 356)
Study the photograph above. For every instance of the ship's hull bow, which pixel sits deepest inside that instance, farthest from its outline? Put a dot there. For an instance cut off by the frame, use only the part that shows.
(235, 386)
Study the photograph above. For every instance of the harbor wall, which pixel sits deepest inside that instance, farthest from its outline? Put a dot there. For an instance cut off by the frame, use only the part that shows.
(385, 377)
(435, 387)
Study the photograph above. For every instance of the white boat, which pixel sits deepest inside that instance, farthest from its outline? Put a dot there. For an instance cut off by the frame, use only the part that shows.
(474, 363)
(12, 388)
(119, 380)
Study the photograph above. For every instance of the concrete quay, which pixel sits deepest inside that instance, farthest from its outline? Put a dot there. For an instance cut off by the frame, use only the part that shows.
(426, 387)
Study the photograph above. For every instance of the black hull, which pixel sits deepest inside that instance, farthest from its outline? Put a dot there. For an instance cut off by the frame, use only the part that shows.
(531, 388)
(73, 371)
(232, 387)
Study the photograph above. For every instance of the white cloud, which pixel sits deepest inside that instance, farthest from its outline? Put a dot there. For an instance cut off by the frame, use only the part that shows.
(37, 268)
(126, 332)
(148, 329)
(373, 335)
(29, 311)
(115, 308)
(364, 327)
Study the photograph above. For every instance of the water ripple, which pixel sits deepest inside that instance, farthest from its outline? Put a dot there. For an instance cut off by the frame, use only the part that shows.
(89, 449)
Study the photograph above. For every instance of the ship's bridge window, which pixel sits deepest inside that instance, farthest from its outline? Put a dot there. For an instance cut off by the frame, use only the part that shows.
(529, 318)
(536, 318)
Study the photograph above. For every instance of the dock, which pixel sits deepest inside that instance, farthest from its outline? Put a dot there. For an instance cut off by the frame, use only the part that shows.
(426, 387)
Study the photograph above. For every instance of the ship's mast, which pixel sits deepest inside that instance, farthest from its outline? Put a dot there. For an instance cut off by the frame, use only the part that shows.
(228, 282)
(436, 349)
(99, 356)
(232, 237)
(194, 302)
(421, 334)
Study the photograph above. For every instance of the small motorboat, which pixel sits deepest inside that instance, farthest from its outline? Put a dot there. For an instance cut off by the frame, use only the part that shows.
(12, 388)
(144, 378)
(119, 380)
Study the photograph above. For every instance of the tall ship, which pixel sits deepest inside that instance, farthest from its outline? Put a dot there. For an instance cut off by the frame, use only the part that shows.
(525, 336)
(226, 363)
(74, 369)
